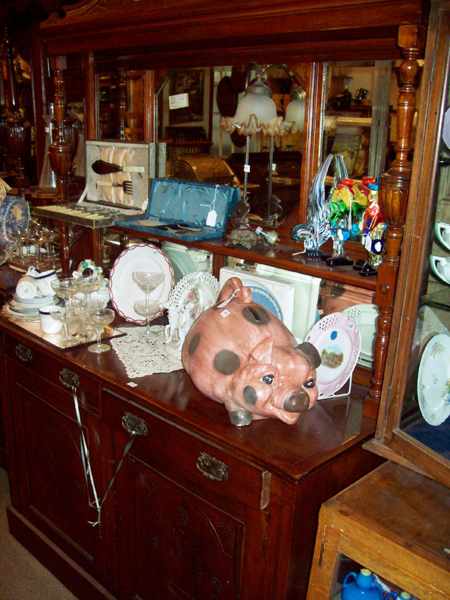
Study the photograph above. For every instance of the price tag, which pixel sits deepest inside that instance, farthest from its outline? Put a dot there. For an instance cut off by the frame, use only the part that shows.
(211, 218)
(178, 101)
(246, 168)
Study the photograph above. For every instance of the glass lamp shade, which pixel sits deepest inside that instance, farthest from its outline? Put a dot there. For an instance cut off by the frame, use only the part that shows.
(256, 109)
(295, 112)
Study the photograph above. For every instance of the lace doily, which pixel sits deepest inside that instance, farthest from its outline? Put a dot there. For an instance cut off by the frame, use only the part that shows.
(143, 356)
(193, 294)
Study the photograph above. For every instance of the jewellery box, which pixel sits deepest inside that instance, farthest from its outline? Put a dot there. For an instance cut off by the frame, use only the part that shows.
(186, 210)
(117, 175)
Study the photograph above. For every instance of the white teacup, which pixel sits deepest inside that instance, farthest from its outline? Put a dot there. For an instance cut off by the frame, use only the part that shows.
(49, 322)
(26, 288)
(44, 284)
(441, 267)
(442, 233)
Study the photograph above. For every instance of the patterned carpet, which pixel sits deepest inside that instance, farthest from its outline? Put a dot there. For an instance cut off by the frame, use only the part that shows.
(21, 576)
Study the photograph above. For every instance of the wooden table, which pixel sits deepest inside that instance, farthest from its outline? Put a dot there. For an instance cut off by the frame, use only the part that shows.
(393, 521)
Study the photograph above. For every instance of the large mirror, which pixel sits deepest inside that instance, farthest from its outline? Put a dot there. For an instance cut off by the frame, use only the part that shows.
(359, 120)
(194, 110)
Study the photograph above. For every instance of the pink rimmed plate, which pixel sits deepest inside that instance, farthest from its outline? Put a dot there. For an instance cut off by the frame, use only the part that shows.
(338, 342)
(126, 294)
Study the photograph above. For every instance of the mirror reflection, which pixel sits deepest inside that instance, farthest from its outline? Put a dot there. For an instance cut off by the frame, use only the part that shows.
(358, 119)
(209, 125)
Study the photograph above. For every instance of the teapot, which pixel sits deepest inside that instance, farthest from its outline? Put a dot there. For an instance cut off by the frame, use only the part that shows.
(361, 586)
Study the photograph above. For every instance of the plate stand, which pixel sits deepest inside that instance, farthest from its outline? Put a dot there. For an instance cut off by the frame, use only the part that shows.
(348, 384)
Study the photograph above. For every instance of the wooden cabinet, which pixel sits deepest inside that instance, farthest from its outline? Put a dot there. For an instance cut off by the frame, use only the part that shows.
(49, 491)
(195, 515)
(393, 522)
(199, 509)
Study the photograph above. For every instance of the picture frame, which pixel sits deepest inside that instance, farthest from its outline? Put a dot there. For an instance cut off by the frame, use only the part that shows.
(191, 82)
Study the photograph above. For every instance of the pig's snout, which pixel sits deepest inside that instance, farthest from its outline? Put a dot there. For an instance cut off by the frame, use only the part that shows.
(297, 402)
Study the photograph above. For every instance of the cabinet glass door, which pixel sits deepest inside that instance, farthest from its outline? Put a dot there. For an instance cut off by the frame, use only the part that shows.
(426, 409)
(414, 417)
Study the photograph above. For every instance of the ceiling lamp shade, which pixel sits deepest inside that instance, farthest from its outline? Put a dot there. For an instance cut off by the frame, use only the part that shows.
(256, 111)
(295, 112)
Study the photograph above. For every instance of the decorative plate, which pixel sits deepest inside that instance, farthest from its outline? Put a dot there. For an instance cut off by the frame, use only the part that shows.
(365, 317)
(262, 296)
(338, 342)
(433, 381)
(185, 260)
(14, 218)
(123, 289)
(192, 295)
(39, 301)
(446, 128)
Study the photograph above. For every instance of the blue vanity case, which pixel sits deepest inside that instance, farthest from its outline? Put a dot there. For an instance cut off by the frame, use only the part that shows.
(186, 210)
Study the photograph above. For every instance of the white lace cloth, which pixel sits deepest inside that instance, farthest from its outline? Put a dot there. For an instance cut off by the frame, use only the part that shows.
(143, 356)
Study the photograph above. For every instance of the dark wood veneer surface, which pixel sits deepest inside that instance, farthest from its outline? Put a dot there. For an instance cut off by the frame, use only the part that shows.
(293, 451)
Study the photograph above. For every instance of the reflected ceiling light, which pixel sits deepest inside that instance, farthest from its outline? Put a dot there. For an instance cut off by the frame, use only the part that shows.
(294, 119)
(256, 110)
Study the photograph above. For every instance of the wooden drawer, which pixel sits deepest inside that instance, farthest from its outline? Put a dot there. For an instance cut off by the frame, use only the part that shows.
(37, 369)
(186, 458)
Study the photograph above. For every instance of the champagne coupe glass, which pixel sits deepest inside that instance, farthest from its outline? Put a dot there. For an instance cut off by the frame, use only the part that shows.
(147, 282)
(88, 284)
(66, 288)
(101, 318)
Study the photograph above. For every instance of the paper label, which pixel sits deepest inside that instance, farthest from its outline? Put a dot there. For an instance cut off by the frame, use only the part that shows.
(246, 168)
(178, 101)
(211, 218)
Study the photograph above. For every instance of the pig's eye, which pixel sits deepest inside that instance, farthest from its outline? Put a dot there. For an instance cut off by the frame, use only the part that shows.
(309, 383)
(268, 379)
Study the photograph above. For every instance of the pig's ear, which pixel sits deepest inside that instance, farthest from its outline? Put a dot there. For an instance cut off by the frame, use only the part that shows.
(262, 352)
(310, 353)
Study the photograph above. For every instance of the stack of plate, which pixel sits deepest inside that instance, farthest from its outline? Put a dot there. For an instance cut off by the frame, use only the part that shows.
(29, 308)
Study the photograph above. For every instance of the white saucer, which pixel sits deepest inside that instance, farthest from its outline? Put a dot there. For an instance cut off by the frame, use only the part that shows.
(433, 380)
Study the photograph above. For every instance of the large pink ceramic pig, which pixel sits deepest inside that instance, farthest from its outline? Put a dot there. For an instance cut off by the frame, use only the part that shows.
(240, 354)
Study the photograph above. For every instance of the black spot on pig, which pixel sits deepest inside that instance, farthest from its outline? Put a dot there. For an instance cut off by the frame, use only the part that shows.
(226, 362)
(256, 314)
(310, 353)
(250, 395)
(193, 344)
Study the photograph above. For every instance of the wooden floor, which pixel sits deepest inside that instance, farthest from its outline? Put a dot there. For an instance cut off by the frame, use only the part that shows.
(21, 576)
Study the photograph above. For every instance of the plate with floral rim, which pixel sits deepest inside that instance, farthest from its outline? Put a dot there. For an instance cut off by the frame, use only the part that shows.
(338, 341)
(433, 380)
(125, 292)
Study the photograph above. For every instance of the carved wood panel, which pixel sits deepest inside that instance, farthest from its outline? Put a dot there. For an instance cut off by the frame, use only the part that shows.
(53, 491)
(175, 545)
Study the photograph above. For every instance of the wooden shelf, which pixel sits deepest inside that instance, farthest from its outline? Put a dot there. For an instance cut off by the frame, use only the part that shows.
(281, 256)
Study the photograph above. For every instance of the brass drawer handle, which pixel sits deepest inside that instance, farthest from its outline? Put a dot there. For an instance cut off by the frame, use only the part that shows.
(211, 467)
(134, 425)
(23, 353)
(69, 379)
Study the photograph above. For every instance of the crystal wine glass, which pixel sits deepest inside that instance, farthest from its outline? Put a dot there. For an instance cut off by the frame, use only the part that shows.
(148, 282)
(101, 318)
(66, 288)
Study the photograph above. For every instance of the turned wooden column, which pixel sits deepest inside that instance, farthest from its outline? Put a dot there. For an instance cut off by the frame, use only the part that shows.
(60, 151)
(394, 198)
(60, 154)
(122, 103)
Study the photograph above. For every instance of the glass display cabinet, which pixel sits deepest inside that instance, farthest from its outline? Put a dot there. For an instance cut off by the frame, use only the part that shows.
(414, 419)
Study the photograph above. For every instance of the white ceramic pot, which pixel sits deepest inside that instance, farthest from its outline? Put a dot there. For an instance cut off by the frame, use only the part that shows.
(26, 288)
(49, 322)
